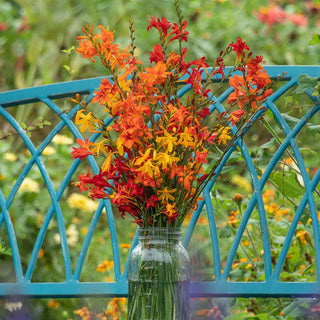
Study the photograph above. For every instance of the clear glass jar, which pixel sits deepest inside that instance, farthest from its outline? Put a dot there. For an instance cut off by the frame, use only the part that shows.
(159, 276)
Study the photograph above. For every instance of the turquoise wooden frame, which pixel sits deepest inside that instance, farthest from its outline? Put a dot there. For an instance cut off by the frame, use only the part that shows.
(220, 286)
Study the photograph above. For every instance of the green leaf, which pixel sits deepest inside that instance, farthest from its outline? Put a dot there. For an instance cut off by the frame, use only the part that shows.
(269, 144)
(225, 232)
(278, 239)
(305, 82)
(315, 39)
(287, 184)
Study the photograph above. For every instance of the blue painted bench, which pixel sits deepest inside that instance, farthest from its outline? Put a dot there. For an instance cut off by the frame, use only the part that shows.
(221, 286)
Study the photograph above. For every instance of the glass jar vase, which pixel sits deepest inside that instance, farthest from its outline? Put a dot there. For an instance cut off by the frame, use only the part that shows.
(159, 276)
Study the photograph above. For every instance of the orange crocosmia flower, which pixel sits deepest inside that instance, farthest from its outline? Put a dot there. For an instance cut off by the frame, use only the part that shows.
(240, 92)
(106, 35)
(235, 116)
(107, 92)
(86, 49)
(155, 75)
(119, 60)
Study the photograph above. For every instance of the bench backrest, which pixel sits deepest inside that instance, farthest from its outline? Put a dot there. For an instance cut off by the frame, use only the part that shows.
(268, 285)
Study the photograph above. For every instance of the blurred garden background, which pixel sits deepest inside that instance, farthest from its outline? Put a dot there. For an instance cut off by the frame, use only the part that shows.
(33, 33)
(37, 46)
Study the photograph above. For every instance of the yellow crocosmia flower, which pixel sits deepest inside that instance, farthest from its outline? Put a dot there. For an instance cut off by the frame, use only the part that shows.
(99, 147)
(139, 160)
(168, 140)
(186, 139)
(165, 194)
(107, 163)
(85, 120)
(120, 146)
(149, 168)
(125, 85)
(170, 210)
(223, 135)
(165, 160)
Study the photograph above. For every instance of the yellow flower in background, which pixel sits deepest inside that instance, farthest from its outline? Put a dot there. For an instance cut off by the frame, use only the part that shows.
(10, 157)
(62, 139)
(125, 245)
(29, 185)
(268, 195)
(81, 202)
(303, 236)
(72, 235)
(242, 182)
(53, 304)
(102, 267)
(48, 151)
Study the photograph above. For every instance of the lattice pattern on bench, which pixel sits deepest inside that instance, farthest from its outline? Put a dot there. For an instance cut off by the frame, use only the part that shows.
(269, 285)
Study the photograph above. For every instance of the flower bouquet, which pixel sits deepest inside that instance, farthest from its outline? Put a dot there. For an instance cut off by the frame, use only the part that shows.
(155, 145)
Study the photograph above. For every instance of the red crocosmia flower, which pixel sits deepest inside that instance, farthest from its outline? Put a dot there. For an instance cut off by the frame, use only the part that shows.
(151, 202)
(97, 193)
(84, 182)
(84, 151)
(195, 79)
(204, 113)
(179, 33)
(157, 54)
(162, 25)
(201, 157)
(201, 63)
(239, 47)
